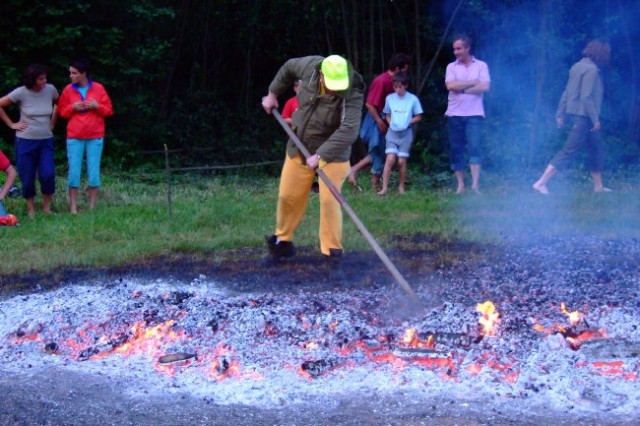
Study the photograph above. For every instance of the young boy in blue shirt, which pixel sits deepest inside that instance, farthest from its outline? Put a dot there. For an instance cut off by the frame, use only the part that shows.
(402, 109)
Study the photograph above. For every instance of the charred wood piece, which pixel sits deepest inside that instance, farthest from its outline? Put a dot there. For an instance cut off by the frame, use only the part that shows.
(179, 356)
(578, 335)
(223, 366)
(88, 353)
(109, 346)
(412, 352)
(317, 368)
(51, 348)
(177, 298)
(29, 328)
(460, 340)
(213, 325)
(442, 341)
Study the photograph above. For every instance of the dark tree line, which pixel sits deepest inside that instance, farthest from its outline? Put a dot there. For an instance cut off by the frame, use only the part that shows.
(191, 73)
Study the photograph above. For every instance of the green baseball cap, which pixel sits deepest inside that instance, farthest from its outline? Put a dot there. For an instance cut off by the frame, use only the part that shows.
(336, 72)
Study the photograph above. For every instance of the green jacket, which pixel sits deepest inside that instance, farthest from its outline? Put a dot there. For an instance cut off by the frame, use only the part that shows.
(584, 92)
(326, 124)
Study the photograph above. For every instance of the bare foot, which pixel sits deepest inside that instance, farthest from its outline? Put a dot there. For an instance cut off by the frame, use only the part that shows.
(602, 189)
(460, 190)
(541, 188)
(401, 189)
(382, 192)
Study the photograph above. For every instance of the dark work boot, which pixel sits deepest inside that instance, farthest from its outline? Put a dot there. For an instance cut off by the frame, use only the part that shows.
(333, 263)
(278, 250)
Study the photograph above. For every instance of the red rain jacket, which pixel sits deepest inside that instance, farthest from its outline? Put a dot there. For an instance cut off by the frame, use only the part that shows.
(85, 124)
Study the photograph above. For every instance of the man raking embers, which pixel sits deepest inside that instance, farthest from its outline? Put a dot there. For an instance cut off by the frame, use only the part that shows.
(327, 120)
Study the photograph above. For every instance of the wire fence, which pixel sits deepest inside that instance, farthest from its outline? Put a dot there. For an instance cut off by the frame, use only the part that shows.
(169, 170)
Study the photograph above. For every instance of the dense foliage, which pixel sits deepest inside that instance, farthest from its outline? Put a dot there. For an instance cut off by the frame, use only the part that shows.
(190, 74)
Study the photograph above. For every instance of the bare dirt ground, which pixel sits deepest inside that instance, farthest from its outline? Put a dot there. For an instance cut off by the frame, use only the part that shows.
(603, 271)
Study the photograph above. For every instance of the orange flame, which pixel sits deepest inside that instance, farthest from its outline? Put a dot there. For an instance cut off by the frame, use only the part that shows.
(411, 338)
(149, 340)
(310, 345)
(490, 317)
(574, 317)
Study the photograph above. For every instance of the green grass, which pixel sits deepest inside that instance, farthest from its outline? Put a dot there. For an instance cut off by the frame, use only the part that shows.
(228, 212)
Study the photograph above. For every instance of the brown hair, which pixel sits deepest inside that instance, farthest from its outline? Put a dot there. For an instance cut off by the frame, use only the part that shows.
(401, 77)
(465, 39)
(399, 60)
(82, 65)
(32, 73)
(598, 51)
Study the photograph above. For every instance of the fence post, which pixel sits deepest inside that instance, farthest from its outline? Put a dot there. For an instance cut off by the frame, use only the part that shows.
(168, 176)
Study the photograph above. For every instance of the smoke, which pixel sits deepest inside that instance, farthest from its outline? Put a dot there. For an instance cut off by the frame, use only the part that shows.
(529, 46)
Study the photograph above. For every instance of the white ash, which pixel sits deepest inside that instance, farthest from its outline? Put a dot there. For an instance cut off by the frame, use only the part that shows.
(268, 336)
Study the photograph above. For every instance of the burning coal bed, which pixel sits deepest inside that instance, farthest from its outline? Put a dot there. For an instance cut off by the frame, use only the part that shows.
(556, 332)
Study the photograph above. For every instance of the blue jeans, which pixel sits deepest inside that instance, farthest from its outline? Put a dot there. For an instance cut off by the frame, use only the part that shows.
(465, 131)
(75, 153)
(581, 135)
(35, 156)
(370, 133)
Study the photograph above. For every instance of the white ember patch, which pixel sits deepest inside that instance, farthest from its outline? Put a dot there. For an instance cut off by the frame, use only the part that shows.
(280, 348)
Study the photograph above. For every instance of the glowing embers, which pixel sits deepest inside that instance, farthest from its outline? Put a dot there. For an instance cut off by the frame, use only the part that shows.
(187, 336)
(411, 339)
(138, 339)
(223, 363)
(433, 342)
(424, 351)
(616, 369)
(158, 343)
(29, 330)
(576, 333)
(615, 358)
(503, 367)
(434, 351)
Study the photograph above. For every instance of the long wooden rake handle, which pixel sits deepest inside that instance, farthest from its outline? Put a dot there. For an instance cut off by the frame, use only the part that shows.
(347, 208)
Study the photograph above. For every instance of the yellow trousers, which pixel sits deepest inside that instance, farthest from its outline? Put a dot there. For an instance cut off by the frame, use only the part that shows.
(293, 198)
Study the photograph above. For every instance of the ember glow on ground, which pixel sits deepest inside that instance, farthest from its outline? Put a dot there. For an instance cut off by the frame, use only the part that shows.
(504, 329)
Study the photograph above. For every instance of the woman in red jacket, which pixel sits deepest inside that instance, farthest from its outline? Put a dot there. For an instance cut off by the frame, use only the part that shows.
(85, 103)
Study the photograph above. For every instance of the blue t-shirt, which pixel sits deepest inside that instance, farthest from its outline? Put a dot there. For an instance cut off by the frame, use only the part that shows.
(402, 110)
(83, 91)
